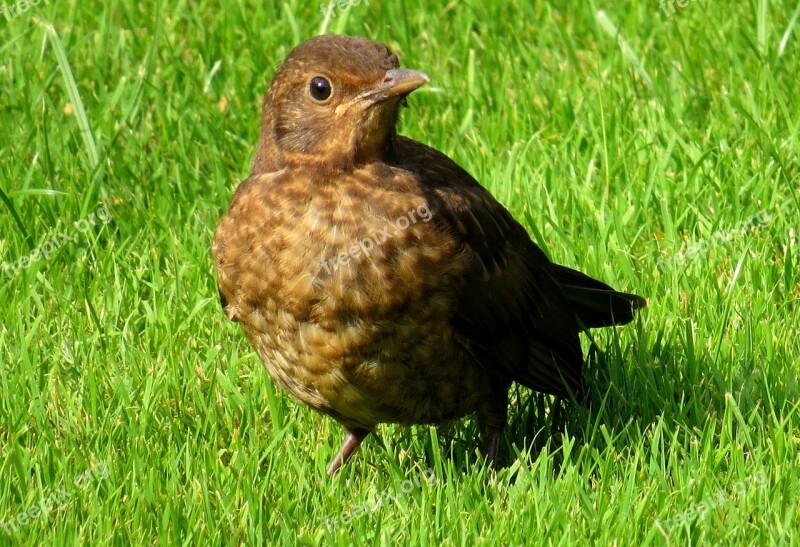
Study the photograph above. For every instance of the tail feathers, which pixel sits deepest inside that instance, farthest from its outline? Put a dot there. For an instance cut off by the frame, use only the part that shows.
(595, 303)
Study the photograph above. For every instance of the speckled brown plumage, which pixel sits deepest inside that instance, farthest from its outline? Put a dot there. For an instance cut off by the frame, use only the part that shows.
(440, 313)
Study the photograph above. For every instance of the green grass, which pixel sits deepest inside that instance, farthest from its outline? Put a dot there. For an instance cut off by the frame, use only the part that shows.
(630, 144)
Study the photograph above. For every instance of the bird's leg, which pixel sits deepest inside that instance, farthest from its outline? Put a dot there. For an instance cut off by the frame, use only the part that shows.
(492, 438)
(351, 441)
(492, 421)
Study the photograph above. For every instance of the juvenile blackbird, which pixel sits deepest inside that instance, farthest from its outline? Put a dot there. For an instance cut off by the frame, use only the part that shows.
(376, 279)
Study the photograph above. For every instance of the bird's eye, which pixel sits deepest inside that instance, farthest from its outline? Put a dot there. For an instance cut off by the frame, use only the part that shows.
(320, 88)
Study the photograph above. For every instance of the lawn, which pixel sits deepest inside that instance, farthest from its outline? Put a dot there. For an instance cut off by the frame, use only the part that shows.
(655, 150)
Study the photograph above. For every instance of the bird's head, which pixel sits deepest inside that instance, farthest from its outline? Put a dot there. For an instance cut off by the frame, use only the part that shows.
(334, 100)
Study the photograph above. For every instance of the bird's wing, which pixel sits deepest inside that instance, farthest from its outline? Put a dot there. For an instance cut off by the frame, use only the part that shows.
(510, 309)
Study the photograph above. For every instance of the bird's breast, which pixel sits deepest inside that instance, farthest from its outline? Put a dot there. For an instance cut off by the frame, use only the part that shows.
(341, 288)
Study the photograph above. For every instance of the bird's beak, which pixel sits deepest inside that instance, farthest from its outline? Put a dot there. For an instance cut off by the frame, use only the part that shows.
(396, 83)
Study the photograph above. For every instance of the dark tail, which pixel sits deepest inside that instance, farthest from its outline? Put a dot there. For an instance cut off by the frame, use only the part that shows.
(595, 303)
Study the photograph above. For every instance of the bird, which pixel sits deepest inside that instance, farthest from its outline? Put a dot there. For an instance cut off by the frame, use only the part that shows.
(375, 278)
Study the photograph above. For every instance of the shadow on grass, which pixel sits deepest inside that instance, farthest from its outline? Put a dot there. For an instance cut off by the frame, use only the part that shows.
(632, 389)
